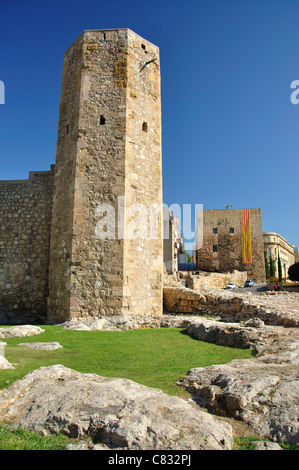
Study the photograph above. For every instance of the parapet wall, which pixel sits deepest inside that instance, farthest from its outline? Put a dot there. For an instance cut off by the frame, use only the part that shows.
(25, 220)
(217, 280)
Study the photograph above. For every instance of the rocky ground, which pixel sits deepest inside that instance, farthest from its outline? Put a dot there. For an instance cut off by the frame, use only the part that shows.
(274, 308)
(260, 395)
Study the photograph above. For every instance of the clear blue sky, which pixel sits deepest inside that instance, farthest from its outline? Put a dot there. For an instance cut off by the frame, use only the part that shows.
(230, 132)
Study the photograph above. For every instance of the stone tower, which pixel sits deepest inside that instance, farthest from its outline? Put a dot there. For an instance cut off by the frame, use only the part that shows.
(106, 244)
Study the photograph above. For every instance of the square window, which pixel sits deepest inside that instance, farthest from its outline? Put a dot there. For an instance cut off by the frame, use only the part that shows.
(232, 230)
(215, 230)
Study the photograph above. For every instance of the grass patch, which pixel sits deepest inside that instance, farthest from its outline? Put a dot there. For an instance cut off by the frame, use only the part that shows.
(152, 357)
(20, 439)
(248, 443)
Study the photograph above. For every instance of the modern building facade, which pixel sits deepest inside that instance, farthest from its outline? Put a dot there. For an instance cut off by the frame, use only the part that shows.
(276, 246)
(85, 239)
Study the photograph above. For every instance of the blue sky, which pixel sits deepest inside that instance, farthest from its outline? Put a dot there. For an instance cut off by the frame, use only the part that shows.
(230, 132)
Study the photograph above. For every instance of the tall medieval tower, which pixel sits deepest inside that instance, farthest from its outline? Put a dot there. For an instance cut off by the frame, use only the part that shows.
(106, 242)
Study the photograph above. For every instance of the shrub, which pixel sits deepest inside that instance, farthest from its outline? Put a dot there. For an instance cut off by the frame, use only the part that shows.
(294, 272)
(273, 279)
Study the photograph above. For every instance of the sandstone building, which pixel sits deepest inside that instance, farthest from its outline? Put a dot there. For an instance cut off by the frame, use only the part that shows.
(276, 246)
(171, 241)
(232, 240)
(55, 258)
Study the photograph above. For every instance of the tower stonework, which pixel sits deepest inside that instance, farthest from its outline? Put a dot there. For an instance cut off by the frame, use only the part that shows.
(108, 158)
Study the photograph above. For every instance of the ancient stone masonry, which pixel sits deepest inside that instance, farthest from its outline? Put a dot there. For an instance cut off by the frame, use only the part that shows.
(25, 219)
(108, 164)
(223, 240)
(108, 152)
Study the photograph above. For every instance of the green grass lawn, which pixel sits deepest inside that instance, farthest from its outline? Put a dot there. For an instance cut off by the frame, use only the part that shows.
(152, 357)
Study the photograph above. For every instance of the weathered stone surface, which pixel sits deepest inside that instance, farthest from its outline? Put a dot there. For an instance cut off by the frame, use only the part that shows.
(109, 142)
(263, 392)
(231, 334)
(266, 445)
(280, 309)
(116, 412)
(4, 364)
(216, 280)
(20, 331)
(45, 346)
(120, 323)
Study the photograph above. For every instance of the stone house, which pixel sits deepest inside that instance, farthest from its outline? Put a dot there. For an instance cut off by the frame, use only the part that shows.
(232, 240)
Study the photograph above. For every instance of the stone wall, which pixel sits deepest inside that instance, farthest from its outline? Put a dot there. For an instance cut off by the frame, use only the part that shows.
(216, 280)
(222, 243)
(25, 219)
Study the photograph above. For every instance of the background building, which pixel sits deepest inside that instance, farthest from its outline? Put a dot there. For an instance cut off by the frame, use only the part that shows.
(232, 240)
(172, 240)
(277, 246)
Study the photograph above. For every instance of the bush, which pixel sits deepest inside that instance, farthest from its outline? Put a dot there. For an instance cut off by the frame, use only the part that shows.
(294, 272)
(273, 279)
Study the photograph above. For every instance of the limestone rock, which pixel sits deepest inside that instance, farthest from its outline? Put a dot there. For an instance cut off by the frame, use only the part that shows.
(122, 322)
(114, 412)
(230, 334)
(20, 331)
(4, 364)
(45, 346)
(266, 445)
(262, 393)
(279, 310)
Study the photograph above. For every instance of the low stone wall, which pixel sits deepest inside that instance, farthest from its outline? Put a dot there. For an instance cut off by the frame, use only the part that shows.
(274, 309)
(282, 288)
(216, 280)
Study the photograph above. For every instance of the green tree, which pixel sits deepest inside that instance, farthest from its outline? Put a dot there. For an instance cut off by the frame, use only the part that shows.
(293, 272)
(266, 264)
(279, 269)
(272, 267)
